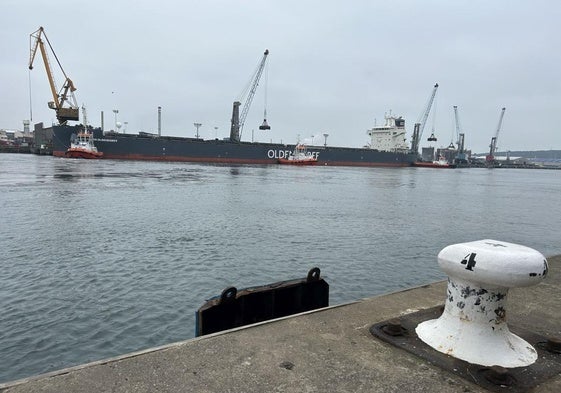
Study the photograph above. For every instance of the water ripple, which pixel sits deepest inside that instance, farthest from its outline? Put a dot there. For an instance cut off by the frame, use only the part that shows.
(118, 256)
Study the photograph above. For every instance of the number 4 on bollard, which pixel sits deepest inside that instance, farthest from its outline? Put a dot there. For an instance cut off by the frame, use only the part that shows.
(470, 262)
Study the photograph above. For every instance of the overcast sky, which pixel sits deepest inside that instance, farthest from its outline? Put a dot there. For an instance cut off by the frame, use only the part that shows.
(334, 67)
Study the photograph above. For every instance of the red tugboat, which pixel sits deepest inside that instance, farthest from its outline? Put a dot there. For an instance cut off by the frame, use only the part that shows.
(442, 162)
(83, 146)
(300, 156)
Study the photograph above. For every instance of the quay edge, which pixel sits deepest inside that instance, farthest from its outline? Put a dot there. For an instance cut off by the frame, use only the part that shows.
(326, 350)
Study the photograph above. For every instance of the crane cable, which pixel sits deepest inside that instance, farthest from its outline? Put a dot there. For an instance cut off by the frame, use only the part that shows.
(30, 106)
(434, 114)
(266, 88)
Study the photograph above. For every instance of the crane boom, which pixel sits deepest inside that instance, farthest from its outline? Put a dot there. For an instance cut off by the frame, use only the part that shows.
(420, 125)
(62, 97)
(493, 146)
(457, 119)
(238, 120)
(461, 155)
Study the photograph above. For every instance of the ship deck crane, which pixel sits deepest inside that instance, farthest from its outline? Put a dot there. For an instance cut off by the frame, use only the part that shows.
(420, 125)
(461, 155)
(493, 146)
(64, 102)
(238, 119)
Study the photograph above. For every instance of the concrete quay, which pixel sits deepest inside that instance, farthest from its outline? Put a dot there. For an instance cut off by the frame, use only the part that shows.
(329, 350)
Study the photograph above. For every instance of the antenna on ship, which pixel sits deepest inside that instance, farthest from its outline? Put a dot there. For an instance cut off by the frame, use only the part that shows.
(159, 121)
(197, 125)
(85, 117)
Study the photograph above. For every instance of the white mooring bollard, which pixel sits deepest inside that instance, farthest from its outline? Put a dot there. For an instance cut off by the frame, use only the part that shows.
(473, 325)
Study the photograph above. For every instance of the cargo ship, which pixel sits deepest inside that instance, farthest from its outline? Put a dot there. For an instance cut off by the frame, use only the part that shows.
(387, 148)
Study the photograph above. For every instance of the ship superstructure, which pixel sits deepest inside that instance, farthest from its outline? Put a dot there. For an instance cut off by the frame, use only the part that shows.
(389, 137)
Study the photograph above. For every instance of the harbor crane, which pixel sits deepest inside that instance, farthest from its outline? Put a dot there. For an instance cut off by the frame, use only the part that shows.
(461, 155)
(238, 119)
(420, 125)
(493, 146)
(64, 102)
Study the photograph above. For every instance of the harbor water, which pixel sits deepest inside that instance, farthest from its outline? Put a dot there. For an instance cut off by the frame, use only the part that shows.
(101, 257)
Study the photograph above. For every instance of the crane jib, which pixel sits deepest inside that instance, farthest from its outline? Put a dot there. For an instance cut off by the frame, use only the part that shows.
(238, 119)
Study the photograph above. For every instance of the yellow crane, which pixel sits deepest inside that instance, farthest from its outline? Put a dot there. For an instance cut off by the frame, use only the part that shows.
(64, 102)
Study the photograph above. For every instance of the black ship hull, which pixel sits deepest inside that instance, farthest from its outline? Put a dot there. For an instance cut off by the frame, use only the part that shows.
(152, 147)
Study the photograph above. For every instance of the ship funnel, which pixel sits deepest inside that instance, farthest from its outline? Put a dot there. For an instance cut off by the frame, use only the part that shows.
(264, 126)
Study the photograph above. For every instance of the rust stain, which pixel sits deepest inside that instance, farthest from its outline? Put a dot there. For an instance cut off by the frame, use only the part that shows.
(500, 312)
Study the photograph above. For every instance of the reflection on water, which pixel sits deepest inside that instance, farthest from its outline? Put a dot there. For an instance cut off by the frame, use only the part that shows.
(106, 257)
